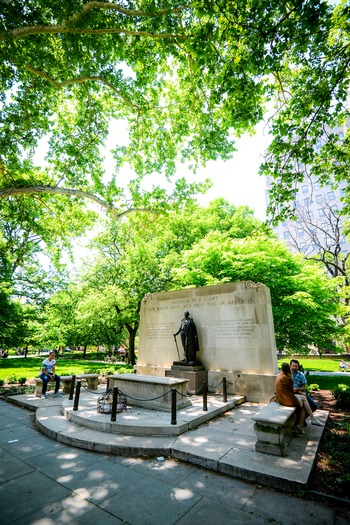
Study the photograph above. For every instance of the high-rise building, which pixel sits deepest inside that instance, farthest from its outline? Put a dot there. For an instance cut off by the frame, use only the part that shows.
(318, 226)
(318, 222)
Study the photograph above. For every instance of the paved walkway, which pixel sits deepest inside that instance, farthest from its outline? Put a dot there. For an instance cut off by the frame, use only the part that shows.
(44, 482)
(226, 444)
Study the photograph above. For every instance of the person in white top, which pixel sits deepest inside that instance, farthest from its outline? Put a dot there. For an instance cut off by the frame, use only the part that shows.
(343, 365)
(48, 373)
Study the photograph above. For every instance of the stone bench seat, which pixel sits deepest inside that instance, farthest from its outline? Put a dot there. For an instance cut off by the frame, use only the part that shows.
(66, 382)
(272, 424)
(110, 359)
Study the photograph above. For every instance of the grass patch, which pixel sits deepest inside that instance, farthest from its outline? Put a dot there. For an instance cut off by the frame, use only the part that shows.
(31, 367)
(315, 365)
(328, 382)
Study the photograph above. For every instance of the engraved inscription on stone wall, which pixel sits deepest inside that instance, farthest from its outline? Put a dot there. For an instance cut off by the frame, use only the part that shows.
(160, 331)
(234, 328)
(208, 301)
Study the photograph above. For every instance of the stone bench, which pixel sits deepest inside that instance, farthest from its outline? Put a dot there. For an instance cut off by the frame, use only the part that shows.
(272, 424)
(66, 383)
(110, 359)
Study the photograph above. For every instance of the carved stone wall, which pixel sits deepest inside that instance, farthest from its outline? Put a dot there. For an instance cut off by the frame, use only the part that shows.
(235, 329)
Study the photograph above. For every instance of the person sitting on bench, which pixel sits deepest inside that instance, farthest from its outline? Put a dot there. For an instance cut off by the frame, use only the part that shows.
(343, 366)
(285, 396)
(48, 368)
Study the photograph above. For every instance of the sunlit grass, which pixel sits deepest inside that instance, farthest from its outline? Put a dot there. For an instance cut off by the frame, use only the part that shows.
(315, 365)
(30, 367)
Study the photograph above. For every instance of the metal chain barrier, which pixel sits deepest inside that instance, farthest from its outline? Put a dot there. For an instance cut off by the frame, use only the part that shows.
(181, 395)
(203, 389)
(91, 391)
(227, 381)
(131, 397)
(215, 387)
(149, 399)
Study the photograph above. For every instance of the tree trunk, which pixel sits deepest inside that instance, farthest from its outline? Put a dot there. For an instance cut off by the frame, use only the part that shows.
(132, 336)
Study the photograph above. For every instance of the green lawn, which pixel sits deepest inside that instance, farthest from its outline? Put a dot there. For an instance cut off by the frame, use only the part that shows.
(31, 366)
(315, 365)
(321, 365)
(328, 382)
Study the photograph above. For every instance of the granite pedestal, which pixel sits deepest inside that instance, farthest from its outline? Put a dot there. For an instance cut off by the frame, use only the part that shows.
(195, 374)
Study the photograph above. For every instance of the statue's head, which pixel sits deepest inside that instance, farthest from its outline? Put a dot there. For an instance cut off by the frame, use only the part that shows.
(186, 314)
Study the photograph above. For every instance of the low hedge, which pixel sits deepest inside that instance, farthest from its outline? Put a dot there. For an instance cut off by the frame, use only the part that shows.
(341, 394)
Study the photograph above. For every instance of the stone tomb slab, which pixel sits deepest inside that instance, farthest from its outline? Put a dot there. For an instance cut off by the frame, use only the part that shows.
(151, 392)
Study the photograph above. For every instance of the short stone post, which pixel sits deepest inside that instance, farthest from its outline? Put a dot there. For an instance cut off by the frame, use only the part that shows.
(114, 403)
(77, 395)
(72, 387)
(173, 406)
(205, 396)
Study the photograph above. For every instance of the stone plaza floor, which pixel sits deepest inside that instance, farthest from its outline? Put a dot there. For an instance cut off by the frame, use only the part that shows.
(44, 481)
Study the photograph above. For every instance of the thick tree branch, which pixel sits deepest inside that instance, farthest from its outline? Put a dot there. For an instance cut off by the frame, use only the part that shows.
(54, 30)
(54, 190)
(80, 80)
(66, 26)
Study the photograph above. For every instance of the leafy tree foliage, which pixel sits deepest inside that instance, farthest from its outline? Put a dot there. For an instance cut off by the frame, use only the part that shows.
(10, 319)
(184, 77)
(310, 127)
(197, 247)
(78, 316)
(33, 235)
(322, 240)
(134, 257)
(305, 302)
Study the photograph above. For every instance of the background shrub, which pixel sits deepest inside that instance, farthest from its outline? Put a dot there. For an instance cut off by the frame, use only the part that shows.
(92, 370)
(313, 386)
(341, 394)
(14, 379)
(11, 379)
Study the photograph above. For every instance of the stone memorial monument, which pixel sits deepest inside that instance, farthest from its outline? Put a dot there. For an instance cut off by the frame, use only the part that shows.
(235, 336)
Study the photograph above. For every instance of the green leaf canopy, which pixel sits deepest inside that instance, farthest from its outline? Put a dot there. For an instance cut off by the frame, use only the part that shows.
(184, 77)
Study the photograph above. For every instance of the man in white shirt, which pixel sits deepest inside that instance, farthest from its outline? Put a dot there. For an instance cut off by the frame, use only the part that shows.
(48, 368)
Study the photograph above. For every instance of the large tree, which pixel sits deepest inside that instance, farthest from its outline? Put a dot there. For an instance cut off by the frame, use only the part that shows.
(184, 77)
(305, 302)
(132, 258)
(197, 247)
(310, 126)
(321, 240)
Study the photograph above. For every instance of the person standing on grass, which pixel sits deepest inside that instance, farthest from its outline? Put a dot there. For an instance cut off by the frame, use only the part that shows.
(285, 396)
(48, 369)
